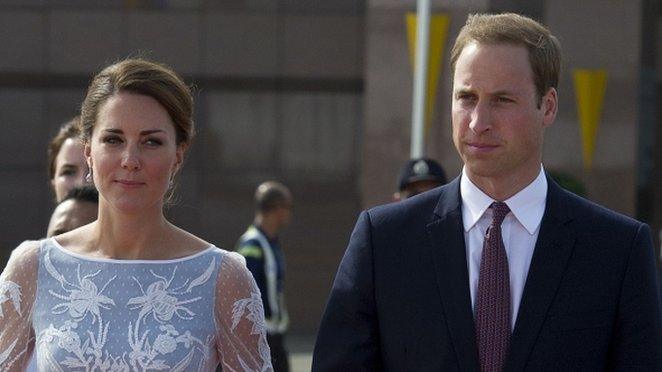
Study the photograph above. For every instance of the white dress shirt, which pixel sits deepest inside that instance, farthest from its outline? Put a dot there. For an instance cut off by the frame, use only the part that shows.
(519, 232)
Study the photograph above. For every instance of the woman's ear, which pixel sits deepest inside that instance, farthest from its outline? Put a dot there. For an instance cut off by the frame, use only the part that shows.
(88, 155)
(179, 156)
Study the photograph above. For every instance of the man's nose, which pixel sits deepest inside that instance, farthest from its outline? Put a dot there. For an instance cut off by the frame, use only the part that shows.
(480, 118)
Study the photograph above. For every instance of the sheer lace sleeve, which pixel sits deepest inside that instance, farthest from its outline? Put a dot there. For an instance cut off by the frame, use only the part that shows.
(18, 286)
(241, 332)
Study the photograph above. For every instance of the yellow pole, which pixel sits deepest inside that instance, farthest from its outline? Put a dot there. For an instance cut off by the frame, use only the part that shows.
(439, 23)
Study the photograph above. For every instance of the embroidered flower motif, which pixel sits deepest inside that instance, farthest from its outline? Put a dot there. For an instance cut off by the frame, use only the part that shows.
(69, 341)
(164, 344)
(87, 299)
(253, 306)
(80, 340)
(119, 365)
(46, 338)
(186, 338)
(159, 298)
(82, 298)
(163, 304)
(5, 354)
(14, 291)
(164, 301)
(254, 310)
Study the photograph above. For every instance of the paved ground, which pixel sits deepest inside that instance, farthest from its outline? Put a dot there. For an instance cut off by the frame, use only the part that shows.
(301, 349)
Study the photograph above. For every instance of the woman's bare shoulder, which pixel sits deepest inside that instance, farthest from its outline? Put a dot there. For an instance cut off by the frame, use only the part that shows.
(184, 243)
(75, 240)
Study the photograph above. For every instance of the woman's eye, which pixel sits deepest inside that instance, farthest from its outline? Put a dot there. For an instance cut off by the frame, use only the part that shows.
(153, 142)
(112, 140)
(68, 172)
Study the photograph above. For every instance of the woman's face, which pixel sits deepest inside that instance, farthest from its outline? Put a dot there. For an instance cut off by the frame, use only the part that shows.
(70, 168)
(133, 153)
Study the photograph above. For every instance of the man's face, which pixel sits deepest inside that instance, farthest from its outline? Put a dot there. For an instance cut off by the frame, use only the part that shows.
(71, 214)
(497, 122)
(285, 213)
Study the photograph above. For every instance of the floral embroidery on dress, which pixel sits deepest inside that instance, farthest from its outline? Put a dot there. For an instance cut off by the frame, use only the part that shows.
(81, 299)
(84, 311)
(162, 302)
(254, 308)
(88, 355)
(159, 300)
(14, 291)
(10, 291)
(5, 354)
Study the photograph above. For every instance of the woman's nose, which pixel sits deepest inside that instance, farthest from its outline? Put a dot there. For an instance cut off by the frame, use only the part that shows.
(131, 159)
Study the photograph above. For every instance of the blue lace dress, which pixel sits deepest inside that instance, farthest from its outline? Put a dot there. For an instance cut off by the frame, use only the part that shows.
(78, 313)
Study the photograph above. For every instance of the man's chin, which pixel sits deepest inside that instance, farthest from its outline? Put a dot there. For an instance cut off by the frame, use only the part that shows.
(485, 169)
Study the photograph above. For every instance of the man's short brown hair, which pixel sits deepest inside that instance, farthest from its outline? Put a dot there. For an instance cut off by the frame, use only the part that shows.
(509, 28)
(271, 195)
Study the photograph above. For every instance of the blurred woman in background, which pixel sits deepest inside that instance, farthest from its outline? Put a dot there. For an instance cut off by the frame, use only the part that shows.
(66, 163)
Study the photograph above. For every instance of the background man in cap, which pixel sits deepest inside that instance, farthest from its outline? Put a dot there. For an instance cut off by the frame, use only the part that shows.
(501, 269)
(419, 175)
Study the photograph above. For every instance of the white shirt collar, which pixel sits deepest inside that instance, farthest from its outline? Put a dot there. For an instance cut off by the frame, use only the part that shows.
(528, 205)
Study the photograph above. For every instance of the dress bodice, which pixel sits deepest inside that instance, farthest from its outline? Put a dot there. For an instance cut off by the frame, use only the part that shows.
(92, 314)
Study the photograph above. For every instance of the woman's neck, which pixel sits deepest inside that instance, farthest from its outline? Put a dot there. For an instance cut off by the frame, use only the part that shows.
(141, 235)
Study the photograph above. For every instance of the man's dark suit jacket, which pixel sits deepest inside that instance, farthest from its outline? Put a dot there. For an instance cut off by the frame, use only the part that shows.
(401, 302)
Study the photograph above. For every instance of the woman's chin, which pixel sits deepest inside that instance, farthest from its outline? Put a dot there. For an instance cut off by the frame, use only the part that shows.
(136, 205)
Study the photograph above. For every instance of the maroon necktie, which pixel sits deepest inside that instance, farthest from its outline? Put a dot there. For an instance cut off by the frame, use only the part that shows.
(493, 299)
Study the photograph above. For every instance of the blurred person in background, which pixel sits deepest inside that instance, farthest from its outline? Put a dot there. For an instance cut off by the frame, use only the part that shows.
(78, 208)
(264, 258)
(66, 162)
(418, 176)
(131, 291)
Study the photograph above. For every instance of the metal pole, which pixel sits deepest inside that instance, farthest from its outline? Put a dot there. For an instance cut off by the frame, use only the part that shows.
(420, 73)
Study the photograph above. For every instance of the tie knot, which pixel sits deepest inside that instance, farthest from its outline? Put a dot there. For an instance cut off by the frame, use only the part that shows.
(500, 211)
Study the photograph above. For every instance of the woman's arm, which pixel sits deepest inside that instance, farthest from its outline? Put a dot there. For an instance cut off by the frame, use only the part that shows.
(241, 332)
(18, 286)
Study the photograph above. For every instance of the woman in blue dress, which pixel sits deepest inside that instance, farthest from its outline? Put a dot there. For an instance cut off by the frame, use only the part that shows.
(131, 291)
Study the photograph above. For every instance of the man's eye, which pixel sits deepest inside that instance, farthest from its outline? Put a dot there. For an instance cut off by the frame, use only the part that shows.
(503, 100)
(465, 97)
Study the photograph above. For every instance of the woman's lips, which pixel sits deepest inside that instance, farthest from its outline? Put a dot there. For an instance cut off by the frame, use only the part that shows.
(130, 183)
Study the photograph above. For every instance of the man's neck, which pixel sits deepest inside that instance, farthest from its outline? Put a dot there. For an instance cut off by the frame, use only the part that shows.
(268, 225)
(503, 187)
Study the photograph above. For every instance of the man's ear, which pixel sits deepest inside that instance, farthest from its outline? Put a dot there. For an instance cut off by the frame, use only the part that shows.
(397, 197)
(550, 106)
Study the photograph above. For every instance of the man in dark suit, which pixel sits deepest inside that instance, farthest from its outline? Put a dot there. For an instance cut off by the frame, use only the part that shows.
(501, 269)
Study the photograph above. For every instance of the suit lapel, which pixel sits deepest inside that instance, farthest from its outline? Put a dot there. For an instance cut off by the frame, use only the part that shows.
(449, 256)
(553, 249)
